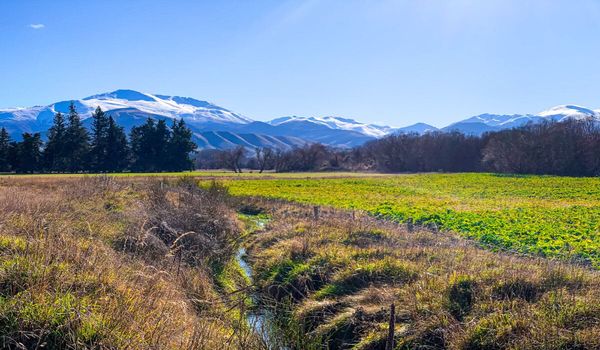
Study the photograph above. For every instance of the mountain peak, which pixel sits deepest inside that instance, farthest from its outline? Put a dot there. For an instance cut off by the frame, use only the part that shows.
(337, 123)
(122, 94)
(417, 128)
(569, 111)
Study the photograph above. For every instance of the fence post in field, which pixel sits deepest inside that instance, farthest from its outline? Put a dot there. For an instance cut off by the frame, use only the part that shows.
(316, 212)
(389, 344)
(178, 261)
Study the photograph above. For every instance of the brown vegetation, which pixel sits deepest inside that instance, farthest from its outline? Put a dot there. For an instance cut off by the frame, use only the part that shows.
(332, 280)
(99, 264)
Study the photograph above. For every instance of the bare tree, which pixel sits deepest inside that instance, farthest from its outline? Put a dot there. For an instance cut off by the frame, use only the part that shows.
(264, 158)
(232, 158)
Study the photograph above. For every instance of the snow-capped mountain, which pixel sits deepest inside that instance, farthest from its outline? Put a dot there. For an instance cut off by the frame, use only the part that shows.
(418, 128)
(482, 123)
(166, 106)
(169, 106)
(337, 123)
(559, 113)
(219, 128)
(213, 126)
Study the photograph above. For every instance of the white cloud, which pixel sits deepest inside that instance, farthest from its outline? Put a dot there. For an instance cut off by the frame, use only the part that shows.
(36, 26)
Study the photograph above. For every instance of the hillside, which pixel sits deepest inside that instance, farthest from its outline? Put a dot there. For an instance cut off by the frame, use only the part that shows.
(228, 129)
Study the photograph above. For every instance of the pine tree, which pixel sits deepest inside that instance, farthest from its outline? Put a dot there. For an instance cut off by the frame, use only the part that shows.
(4, 150)
(142, 148)
(118, 150)
(13, 156)
(76, 142)
(180, 146)
(54, 154)
(29, 153)
(161, 139)
(99, 144)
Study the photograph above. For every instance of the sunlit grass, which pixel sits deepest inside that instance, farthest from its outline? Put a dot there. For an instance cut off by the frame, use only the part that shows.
(542, 215)
(332, 281)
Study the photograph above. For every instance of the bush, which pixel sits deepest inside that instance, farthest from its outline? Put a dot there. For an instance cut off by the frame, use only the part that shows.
(461, 296)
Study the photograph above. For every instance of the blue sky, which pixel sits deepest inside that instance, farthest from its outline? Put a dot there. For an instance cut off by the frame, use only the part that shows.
(392, 62)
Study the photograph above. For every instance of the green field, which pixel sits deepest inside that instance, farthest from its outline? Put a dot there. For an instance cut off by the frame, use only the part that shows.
(542, 215)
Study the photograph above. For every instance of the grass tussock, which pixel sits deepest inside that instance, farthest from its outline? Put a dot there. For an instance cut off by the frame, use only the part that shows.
(95, 263)
(333, 279)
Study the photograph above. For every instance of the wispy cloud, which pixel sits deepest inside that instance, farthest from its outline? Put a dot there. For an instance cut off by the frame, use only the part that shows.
(36, 26)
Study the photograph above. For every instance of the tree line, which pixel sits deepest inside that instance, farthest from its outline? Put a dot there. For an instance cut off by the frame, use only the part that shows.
(558, 148)
(569, 148)
(152, 146)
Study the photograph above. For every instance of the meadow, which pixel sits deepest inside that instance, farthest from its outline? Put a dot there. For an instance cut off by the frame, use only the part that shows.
(330, 282)
(556, 217)
(136, 262)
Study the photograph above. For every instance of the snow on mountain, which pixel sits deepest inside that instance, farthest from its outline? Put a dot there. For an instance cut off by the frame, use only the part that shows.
(212, 126)
(156, 105)
(498, 119)
(337, 123)
(418, 128)
(216, 127)
(169, 106)
(561, 112)
(493, 122)
(21, 113)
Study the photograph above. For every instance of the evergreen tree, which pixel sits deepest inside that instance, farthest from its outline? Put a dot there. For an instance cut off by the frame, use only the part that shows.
(159, 151)
(13, 156)
(99, 147)
(4, 150)
(142, 138)
(54, 156)
(180, 146)
(117, 151)
(29, 153)
(76, 142)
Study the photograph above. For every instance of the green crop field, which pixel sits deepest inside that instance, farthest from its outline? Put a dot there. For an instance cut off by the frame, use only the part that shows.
(543, 215)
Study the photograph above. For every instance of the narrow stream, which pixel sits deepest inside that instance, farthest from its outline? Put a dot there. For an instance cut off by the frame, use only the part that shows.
(258, 318)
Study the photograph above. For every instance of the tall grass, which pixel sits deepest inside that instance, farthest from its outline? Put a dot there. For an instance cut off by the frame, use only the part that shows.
(95, 263)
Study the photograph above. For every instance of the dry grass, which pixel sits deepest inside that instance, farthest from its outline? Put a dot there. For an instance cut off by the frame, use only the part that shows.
(133, 263)
(337, 276)
(93, 263)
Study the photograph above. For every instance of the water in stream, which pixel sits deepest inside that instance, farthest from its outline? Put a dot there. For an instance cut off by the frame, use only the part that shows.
(258, 318)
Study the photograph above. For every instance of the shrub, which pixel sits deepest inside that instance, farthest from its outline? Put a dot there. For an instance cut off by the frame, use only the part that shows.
(461, 296)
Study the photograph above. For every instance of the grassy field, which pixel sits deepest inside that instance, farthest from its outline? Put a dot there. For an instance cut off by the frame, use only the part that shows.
(542, 215)
(330, 281)
(100, 262)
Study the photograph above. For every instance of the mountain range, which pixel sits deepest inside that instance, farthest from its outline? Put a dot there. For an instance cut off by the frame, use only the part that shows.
(215, 127)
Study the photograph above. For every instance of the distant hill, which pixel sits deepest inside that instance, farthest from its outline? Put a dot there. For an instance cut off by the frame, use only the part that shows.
(216, 127)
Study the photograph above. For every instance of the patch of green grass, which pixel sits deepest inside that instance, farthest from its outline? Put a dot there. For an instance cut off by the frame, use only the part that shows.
(541, 215)
(361, 275)
(493, 331)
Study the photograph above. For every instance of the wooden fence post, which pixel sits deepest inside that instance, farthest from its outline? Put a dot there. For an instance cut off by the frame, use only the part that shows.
(389, 345)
